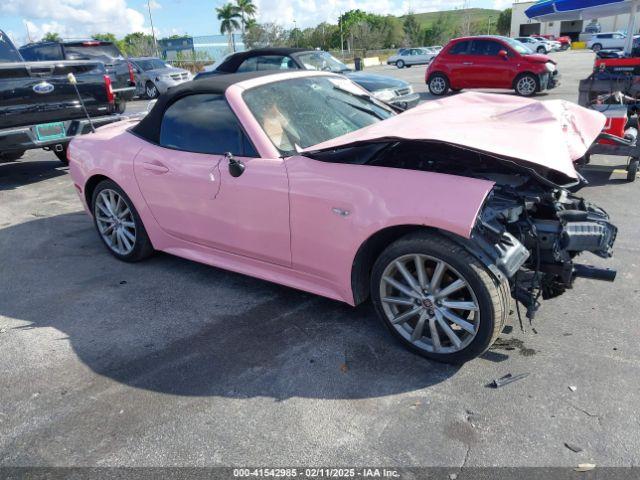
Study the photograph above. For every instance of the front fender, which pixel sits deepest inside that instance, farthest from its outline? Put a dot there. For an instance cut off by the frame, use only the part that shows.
(335, 208)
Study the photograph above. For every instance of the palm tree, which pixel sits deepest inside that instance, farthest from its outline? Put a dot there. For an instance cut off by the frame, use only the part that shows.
(247, 10)
(228, 16)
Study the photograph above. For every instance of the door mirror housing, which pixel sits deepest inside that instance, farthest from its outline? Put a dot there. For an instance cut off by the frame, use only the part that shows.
(503, 54)
(236, 167)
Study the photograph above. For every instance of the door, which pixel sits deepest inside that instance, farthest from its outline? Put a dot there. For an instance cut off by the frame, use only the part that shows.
(187, 185)
(489, 69)
(458, 61)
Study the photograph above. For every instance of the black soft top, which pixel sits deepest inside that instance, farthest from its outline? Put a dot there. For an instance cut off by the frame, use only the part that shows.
(232, 63)
(149, 126)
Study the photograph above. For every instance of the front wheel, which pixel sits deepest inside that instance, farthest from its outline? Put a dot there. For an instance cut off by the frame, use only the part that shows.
(118, 223)
(151, 90)
(632, 170)
(596, 47)
(526, 85)
(438, 84)
(541, 50)
(400, 64)
(437, 299)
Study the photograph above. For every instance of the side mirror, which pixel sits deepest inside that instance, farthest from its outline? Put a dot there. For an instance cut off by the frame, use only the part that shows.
(503, 54)
(236, 167)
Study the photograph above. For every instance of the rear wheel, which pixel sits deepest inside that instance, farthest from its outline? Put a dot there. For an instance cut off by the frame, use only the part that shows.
(632, 170)
(62, 155)
(438, 84)
(400, 64)
(150, 90)
(11, 156)
(541, 49)
(596, 47)
(526, 85)
(118, 223)
(437, 299)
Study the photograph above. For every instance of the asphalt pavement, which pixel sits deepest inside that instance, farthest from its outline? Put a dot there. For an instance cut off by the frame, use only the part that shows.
(173, 363)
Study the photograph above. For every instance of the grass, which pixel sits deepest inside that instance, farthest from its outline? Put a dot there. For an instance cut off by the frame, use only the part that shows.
(477, 15)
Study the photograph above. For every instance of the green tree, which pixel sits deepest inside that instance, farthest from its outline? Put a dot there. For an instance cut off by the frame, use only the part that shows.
(110, 37)
(265, 35)
(139, 44)
(411, 29)
(504, 22)
(228, 15)
(51, 37)
(440, 31)
(247, 10)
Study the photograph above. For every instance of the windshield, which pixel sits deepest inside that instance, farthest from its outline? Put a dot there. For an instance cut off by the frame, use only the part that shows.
(306, 111)
(322, 61)
(8, 53)
(105, 52)
(518, 46)
(151, 64)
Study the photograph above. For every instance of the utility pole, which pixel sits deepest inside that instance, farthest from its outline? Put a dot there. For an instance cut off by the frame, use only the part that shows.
(26, 25)
(153, 31)
(341, 35)
(295, 29)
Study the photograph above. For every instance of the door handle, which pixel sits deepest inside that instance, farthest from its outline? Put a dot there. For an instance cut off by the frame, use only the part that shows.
(467, 63)
(154, 167)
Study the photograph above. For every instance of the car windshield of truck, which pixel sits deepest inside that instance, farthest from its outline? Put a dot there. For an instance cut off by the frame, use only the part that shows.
(151, 64)
(8, 53)
(104, 52)
(519, 47)
(301, 112)
(323, 61)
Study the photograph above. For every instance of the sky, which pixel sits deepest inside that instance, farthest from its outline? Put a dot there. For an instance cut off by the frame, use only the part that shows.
(82, 18)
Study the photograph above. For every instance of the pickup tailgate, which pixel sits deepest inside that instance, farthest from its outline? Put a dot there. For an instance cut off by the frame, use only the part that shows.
(39, 92)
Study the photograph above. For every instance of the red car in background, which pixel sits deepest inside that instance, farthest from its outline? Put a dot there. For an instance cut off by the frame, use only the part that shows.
(565, 41)
(490, 62)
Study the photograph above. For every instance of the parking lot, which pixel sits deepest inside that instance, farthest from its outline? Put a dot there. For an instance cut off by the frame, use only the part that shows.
(173, 363)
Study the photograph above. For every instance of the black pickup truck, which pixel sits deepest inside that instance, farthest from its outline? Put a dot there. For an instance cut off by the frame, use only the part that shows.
(119, 69)
(39, 107)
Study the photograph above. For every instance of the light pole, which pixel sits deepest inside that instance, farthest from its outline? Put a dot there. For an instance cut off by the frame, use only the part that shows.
(295, 30)
(153, 31)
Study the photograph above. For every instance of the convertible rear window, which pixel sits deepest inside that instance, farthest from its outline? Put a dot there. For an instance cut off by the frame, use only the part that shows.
(306, 111)
(204, 123)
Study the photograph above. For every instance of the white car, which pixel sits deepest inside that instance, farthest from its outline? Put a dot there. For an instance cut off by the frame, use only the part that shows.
(412, 56)
(536, 45)
(555, 45)
(607, 41)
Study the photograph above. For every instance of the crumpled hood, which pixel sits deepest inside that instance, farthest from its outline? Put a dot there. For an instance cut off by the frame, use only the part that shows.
(552, 134)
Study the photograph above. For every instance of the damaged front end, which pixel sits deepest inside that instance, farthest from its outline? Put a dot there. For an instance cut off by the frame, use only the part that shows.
(531, 227)
(532, 234)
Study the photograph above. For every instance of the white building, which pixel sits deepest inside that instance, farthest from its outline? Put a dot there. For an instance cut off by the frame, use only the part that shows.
(522, 26)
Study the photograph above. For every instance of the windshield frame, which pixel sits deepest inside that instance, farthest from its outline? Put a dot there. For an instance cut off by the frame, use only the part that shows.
(340, 66)
(357, 95)
(141, 62)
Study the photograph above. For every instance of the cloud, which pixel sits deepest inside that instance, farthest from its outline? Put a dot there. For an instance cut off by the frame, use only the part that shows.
(154, 5)
(76, 18)
(502, 4)
(311, 12)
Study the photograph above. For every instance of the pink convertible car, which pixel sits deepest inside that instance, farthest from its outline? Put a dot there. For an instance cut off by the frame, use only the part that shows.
(440, 215)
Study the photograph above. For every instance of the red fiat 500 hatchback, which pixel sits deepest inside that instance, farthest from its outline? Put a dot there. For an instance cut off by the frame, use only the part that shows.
(490, 62)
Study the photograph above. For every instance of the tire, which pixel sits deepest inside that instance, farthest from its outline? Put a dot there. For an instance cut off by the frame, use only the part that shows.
(11, 156)
(121, 247)
(596, 47)
(438, 84)
(526, 85)
(62, 156)
(150, 90)
(400, 64)
(121, 106)
(541, 49)
(474, 330)
(632, 170)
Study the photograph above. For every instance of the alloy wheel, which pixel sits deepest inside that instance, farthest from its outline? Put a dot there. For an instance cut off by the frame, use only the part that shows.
(152, 91)
(429, 303)
(437, 85)
(526, 86)
(115, 222)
